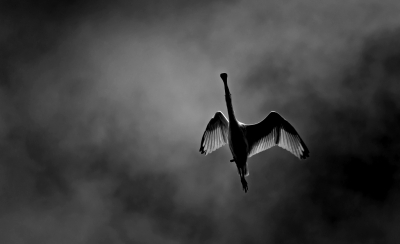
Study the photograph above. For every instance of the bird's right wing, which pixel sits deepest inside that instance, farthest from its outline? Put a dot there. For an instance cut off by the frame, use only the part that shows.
(216, 134)
(275, 130)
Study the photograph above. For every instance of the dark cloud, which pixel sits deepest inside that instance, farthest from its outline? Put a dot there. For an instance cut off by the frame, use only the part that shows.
(103, 105)
(350, 186)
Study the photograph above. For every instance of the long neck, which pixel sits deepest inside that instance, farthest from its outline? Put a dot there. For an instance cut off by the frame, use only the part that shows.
(228, 100)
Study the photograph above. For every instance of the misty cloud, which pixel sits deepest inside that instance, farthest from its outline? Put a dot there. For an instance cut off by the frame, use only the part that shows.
(103, 105)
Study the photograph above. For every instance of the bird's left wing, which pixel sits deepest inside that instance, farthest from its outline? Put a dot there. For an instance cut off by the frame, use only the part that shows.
(216, 134)
(275, 130)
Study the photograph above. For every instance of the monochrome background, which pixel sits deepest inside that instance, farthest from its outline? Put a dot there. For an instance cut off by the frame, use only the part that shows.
(103, 105)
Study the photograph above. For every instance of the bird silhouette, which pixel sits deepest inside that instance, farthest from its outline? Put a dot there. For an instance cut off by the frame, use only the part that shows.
(247, 140)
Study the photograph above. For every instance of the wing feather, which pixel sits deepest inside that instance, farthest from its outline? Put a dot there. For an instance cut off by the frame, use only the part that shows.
(212, 139)
(291, 144)
(215, 135)
(275, 130)
(294, 146)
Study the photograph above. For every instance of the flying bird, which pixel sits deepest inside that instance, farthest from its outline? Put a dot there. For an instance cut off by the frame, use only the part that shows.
(247, 140)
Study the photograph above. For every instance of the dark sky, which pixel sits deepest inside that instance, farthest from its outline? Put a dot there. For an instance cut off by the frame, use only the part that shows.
(103, 105)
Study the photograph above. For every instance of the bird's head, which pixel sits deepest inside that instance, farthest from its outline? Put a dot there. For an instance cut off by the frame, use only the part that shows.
(224, 77)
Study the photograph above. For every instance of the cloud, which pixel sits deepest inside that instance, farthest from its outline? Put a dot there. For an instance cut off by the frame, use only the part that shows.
(103, 105)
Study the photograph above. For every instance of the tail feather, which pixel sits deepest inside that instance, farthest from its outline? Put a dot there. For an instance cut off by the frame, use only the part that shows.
(246, 171)
(243, 171)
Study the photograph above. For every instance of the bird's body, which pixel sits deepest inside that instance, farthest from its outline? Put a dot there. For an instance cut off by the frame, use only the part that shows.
(237, 142)
(246, 140)
(239, 149)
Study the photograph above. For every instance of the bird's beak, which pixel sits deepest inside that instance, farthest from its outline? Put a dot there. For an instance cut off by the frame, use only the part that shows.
(224, 77)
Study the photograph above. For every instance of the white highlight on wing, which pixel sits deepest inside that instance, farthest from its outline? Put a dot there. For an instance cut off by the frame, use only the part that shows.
(275, 130)
(216, 134)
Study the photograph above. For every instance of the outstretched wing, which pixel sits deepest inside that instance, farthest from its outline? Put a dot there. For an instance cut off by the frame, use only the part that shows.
(275, 130)
(216, 134)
